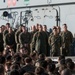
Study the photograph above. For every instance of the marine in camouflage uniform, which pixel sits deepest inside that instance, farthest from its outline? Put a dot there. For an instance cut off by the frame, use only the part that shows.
(47, 35)
(25, 38)
(67, 39)
(10, 40)
(39, 41)
(54, 41)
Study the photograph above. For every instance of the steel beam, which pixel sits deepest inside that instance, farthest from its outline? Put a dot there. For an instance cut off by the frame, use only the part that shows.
(37, 6)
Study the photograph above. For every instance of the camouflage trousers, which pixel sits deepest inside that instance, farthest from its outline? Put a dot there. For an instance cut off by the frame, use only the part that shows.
(17, 47)
(65, 51)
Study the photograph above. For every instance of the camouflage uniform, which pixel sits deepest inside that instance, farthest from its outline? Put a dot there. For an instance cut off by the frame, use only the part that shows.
(24, 39)
(67, 39)
(39, 42)
(10, 40)
(55, 44)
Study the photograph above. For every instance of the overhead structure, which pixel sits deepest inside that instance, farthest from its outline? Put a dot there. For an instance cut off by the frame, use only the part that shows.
(45, 5)
(38, 6)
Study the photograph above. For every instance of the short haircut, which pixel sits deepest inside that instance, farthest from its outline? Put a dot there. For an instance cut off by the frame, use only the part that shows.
(15, 66)
(54, 27)
(42, 56)
(68, 60)
(65, 24)
(62, 61)
(45, 26)
(28, 60)
(33, 54)
(8, 24)
(61, 57)
(17, 57)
